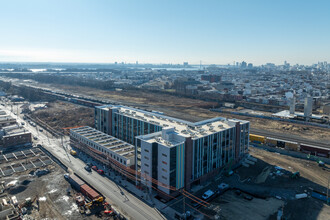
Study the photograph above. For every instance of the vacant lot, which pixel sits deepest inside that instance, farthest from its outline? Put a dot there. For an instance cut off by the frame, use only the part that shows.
(62, 114)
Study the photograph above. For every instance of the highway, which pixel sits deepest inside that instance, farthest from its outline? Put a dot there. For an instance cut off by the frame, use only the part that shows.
(122, 200)
(290, 137)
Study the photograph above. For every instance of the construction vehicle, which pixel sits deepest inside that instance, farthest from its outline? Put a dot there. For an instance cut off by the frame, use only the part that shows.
(28, 202)
(73, 152)
(319, 162)
(95, 202)
(295, 175)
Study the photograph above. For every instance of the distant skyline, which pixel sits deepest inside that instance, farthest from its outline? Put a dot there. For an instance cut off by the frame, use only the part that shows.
(172, 31)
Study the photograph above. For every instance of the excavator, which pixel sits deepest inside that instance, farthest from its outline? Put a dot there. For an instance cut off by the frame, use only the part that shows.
(95, 202)
(28, 202)
(319, 162)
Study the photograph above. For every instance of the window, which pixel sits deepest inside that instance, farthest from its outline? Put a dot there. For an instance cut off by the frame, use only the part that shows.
(146, 150)
(147, 165)
(165, 178)
(146, 172)
(164, 170)
(164, 162)
(145, 157)
(164, 155)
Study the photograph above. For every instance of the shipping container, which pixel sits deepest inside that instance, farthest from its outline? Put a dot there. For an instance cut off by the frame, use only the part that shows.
(315, 150)
(320, 196)
(89, 192)
(294, 146)
(271, 142)
(76, 182)
(257, 139)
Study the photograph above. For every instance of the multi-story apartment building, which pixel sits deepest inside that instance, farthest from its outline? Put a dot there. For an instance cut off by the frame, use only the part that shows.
(174, 152)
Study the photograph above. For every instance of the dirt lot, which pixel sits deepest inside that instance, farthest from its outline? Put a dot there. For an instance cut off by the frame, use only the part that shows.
(236, 207)
(268, 178)
(195, 110)
(51, 189)
(312, 177)
(63, 114)
(308, 169)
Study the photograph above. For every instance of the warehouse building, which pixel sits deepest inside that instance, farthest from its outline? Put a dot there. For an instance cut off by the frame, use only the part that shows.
(175, 152)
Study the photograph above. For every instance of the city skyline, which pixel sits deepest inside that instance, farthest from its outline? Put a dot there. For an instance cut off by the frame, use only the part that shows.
(215, 32)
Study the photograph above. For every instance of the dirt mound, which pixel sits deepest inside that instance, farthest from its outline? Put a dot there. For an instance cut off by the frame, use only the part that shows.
(26, 182)
(17, 190)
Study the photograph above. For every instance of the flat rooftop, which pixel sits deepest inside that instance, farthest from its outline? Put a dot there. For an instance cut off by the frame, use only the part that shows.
(286, 114)
(184, 128)
(157, 137)
(107, 141)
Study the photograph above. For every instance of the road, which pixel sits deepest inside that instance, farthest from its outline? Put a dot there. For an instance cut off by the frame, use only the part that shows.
(123, 201)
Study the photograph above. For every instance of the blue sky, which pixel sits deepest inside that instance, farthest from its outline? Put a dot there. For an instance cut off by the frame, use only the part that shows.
(165, 31)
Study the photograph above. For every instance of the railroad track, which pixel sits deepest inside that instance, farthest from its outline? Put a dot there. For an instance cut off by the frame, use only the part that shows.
(289, 137)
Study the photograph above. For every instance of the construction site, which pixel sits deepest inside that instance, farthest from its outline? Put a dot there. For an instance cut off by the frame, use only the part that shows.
(38, 188)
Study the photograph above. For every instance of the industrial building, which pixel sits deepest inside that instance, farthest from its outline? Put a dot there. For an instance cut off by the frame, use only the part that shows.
(14, 135)
(112, 147)
(175, 152)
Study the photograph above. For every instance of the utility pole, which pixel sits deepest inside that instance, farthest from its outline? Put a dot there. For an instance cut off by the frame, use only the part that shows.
(328, 191)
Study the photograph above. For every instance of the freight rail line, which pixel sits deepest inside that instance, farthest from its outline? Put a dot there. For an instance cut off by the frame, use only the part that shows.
(289, 138)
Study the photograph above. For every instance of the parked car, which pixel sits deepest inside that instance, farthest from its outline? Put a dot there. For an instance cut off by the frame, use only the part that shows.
(35, 138)
(88, 168)
(207, 194)
(94, 168)
(101, 172)
(89, 164)
(23, 123)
